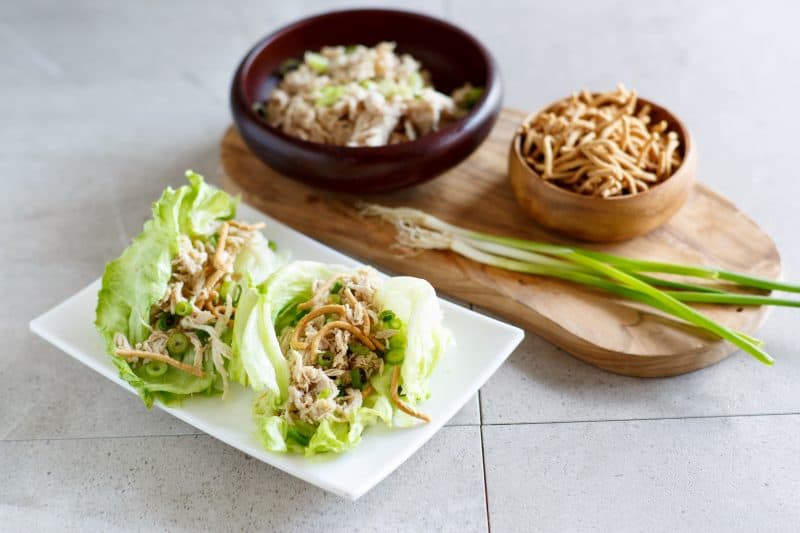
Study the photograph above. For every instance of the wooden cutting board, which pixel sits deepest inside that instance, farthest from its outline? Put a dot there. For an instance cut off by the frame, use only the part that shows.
(612, 334)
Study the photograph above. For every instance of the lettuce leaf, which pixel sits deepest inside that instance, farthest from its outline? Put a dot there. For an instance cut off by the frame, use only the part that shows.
(204, 207)
(278, 435)
(292, 283)
(138, 279)
(253, 364)
(257, 261)
(414, 302)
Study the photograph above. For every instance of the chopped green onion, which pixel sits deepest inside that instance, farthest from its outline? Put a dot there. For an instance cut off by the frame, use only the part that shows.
(324, 393)
(156, 368)
(336, 287)
(386, 316)
(316, 62)
(183, 308)
(289, 316)
(395, 323)
(298, 316)
(165, 321)
(368, 84)
(272, 245)
(387, 88)
(328, 95)
(296, 436)
(358, 349)
(227, 336)
(325, 359)
(396, 341)
(288, 66)
(230, 288)
(415, 82)
(472, 96)
(335, 299)
(202, 335)
(213, 238)
(395, 356)
(355, 379)
(225, 289)
(177, 344)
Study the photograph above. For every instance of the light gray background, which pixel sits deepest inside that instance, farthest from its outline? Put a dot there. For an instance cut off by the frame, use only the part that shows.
(103, 104)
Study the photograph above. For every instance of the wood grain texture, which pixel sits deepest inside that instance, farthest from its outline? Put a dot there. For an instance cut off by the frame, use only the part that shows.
(615, 335)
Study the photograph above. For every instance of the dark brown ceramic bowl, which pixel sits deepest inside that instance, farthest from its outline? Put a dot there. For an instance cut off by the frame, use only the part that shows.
(451, 55)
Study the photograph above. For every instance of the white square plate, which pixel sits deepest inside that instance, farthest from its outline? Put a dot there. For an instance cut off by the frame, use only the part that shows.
(481, 345)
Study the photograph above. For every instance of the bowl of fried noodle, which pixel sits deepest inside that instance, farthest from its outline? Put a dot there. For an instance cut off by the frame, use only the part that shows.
(602, 167)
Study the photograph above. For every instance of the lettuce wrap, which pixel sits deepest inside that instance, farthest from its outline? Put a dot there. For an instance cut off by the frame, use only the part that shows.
(169, 304)
(338, 350)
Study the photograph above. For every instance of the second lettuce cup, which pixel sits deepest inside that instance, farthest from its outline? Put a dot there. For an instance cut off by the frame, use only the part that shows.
(339, 350)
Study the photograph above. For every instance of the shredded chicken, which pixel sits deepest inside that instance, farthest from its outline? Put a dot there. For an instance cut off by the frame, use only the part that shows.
(308, 382)
(199, 270)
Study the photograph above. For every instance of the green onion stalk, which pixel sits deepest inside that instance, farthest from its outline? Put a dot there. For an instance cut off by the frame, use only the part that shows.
(623, 277)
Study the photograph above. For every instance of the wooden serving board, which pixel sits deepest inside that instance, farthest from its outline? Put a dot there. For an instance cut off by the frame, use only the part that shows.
(612, 334)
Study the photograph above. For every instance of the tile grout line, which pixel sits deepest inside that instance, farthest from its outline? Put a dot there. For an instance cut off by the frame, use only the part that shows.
(483, 453)
(107, 437)
(155, 435)
(644, 419)
(480, 425)
(483, 464)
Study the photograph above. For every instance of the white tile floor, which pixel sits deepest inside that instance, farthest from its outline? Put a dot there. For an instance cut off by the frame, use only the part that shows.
(104, 104)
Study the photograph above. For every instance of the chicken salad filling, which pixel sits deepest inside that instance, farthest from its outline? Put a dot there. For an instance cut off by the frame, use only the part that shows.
(340, 340)
(361, 96)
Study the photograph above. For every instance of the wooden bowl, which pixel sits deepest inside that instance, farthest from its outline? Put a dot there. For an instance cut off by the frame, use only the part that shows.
(590, 218)
(451, 55)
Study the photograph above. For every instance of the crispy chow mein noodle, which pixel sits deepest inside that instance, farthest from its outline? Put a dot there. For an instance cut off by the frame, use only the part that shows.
(601, 144)
(133, 355)
(400, 403)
